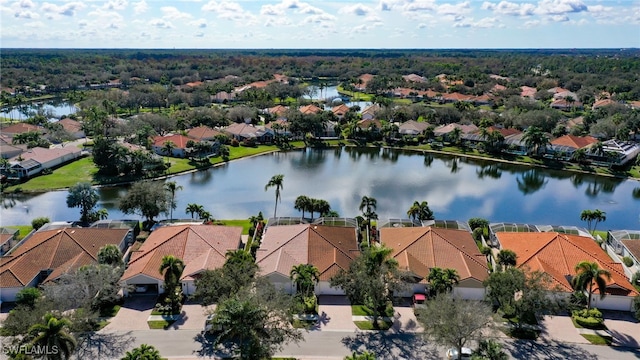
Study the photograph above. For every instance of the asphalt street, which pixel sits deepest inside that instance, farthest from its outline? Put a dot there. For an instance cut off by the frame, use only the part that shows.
(329, 345)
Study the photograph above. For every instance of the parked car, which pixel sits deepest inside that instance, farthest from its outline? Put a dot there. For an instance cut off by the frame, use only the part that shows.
(452, 354)
(141, 288)
(208, 325)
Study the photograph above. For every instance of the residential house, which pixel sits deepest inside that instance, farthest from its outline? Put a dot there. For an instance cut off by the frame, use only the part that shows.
(48, 254)
(72, 127)
(224, 97)
(497, 88)
(282, 127)
(34, 160)
(369, 113)
(602, 103)
(617, 152)
(565, 95)
(412, 127)
(370, 124)
(625, 243)
(557, 254)
(455, 97)
(362, 81)
(309, 109)
(564, 104)
(340, 111)
(527, 91)
(568, 144)
(179, 145)
(444, 130)
(8, 238)
(200, 247)
(278, 111)
(242, 131)
(414, 78)
(573, 123)
(8, 149)
(419, 249)
(21, 128)
(203, 133)
(328, 248)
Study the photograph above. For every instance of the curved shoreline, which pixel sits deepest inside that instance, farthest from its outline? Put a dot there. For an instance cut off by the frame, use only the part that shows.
(416, 150)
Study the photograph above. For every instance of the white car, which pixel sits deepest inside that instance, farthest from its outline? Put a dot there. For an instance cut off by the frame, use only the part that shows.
(141, 288)
(208, 324)
(452, 354)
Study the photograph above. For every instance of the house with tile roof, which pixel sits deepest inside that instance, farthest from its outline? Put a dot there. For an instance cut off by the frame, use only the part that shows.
(602, 103)
(412, 127)
(328, 248)
(625, 243)
(278, 110)
(446, 129)
(568, 144)
(362, 82)
(72, 127)
(242, 131)
(418, 249)
(309, 109)
(34, 160)
(8, 149)
(369, 113)
(340, 111)
(527, 91)
(21, 128)
(48, 254)
(200, 247)
(179, 144)
(203, 133)
(7, 239)
(414, 78)
(557, 254)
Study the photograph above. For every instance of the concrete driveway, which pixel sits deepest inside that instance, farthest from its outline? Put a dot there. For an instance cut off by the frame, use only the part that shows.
(334, 314)
(133, 314)
(624, 328)
(560, 328)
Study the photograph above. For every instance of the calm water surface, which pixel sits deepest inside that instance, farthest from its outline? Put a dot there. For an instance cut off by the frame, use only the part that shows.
(455, 189)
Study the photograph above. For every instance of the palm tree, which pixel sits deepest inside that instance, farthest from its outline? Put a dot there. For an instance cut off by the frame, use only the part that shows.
(167, 147)
(238, 257)
(535, 139)
(366, 355)
(507, 258)
(193, 208)
(368, 207)
(172, 187)
(455, 135)
(275, 181)
(588, 273)
(172, 268)
(204, 215)
(593, 217)
(52, 335)
(143, 352)
(414, 210)
(302, 203)
(110, 255)
(490, 350)
(305, 276)
(425, 211)
(442, 280)
(579, 155)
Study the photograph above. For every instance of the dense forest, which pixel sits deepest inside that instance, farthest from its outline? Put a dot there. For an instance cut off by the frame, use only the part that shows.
(588, 71)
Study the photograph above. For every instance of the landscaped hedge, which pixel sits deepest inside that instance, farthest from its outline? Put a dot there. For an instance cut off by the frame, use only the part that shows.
(588, 318)
(627, 261)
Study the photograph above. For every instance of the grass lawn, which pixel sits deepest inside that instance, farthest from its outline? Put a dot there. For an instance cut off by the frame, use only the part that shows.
(368, 325)
(362, 310)
(23, 230)
(597, 339)
(246, 224)
(110, 312)
(159, 324)
(82, 170)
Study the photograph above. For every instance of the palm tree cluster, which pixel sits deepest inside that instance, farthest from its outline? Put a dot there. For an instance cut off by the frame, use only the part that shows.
(198, 209)
(305, 277)
(442, 280)
(535, 140)
(593, 217)
(304, 203)
(172, 268)
(420, 211)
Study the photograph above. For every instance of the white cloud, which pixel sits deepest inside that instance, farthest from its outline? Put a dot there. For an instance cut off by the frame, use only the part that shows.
(199, 34)
(321, 19)
(161, 24)
(509, 8)
(26, 14)
(419, 5)
(140, 7)
(454, 9)
(115, 5)
(35, 24)
(560, 7)
(531, 23)
(355, 9)
(103, 19)
(558, 18)
(200, 23)
(26, 4)
(172, 13)
(484, 23)
(277, 21)
(68, 9)
(280, 8)
(230, 11)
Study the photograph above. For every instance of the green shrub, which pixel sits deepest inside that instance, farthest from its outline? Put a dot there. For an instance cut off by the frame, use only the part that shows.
(588, 318)
(588, 322)
(28, 297)
(636, 307)
(310, 304)
(627, 261)
(477, 234)
(39, 222)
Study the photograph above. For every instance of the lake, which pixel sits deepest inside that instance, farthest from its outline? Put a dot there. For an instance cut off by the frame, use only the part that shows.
(50, 108)
(456, 189)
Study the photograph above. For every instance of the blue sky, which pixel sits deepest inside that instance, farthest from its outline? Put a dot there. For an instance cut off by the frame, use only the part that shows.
(320, 24)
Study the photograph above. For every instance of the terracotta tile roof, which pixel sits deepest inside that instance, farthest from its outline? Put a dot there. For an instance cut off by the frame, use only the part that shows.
(456, 97)
(576, 142)
(242, 129)
(198, 246)
(571, 123)
(365, 124)
(445, 129)
(419, 249)
(505, 131)
(203, 133)
(21, 128)
(557, 89)
(527, 91)
(194, 84)
(371, 109)
(310, 109)
(633, 246)
(282, 122)
(180, 141)
(340, 109)
(558, 254)
(329, 248)
(498, 87)
(278, 110)
(43, 155)
(70, 125)
(413, 127)
(602, 103)
(48, 250)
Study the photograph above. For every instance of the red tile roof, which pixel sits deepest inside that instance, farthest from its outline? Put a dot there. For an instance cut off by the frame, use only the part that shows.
(200, 247)
(180, 141)
(70, 125)
(418, 249)
(328, 248)
(21, 128)
(310, 109)
(203, 133)
(576, 142)
(340, 109)
(528, 91)
(278, 110)
(633, 246)
(50, 249)
(505, 131)
(558, 254)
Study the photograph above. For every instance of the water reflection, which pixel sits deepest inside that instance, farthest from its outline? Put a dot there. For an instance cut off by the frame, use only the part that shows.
(531, 181)
(456, 188)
